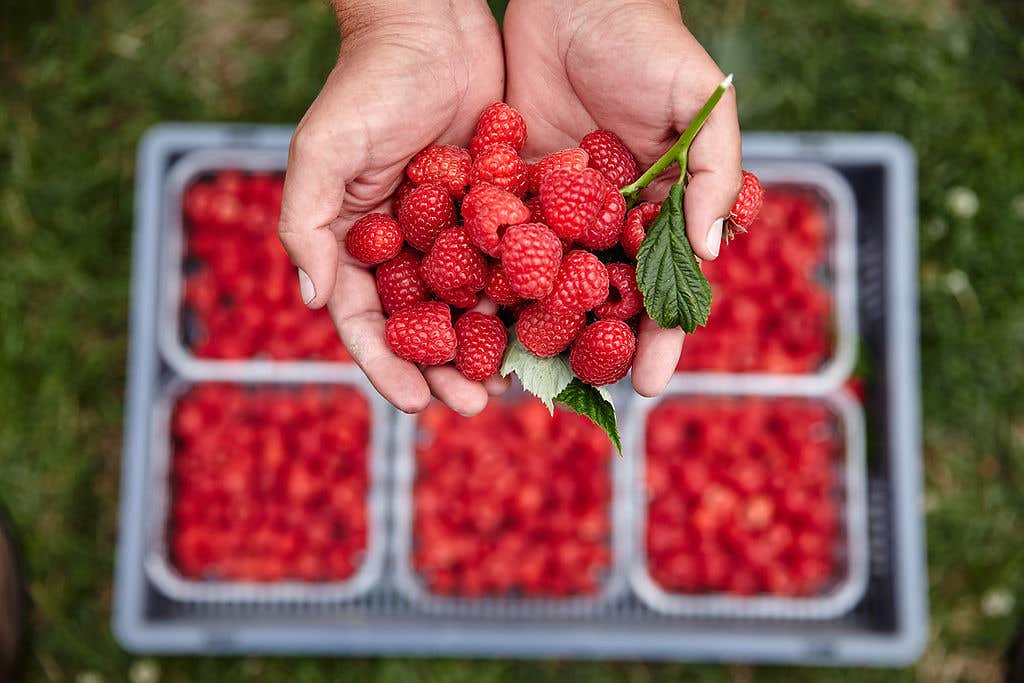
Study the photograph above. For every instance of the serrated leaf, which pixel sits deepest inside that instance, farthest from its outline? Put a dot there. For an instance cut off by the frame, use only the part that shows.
(676, 293)
(545, 378)
(593, 403)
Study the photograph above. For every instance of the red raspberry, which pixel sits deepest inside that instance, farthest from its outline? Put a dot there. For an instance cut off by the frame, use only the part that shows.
(546, 334)
(609, 155)
(462, 297)
(404, 188)
(603, 352)
(482, 339)
(424, 213)
(582, 283)
(624, 297)
(422, 333)
(399, 284)
(530, 255)
(536, 215)
(499, 288)
(498, 123)
(454, 263)
(444, 164)
(638, 220)
(604, 233)
(501, 166)
(487, 211)
(374, 238)
(574, 159)
(747, 206)
(572, 200)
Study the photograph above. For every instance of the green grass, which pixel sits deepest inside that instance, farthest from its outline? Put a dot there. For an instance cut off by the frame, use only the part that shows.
(79, 82)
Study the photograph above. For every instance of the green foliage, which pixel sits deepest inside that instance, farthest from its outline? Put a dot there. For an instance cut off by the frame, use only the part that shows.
(79, 82)
(676, 293)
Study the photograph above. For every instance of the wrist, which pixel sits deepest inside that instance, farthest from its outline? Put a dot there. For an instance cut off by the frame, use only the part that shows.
(359, 16)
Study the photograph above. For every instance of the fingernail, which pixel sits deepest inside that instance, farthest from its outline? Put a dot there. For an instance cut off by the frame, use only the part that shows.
(714, 238)
(306, 287)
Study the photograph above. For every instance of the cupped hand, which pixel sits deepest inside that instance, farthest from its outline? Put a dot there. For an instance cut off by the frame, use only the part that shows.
(633, 68)
(409, 74)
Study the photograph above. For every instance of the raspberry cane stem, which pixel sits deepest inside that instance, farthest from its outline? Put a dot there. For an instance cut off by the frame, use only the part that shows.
(678, 151)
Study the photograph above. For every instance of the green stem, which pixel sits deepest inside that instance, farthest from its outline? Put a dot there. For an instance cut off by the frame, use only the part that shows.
(678, 151)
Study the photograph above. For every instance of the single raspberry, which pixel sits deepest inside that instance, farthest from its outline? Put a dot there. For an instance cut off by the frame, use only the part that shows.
(482, 339)
(499, 165)
(404, 188)
(638, 219)
(422, 333)
(399, 284)
(546, 334)
(424, 213)
(530, 256)
(498, 123)
(581, 284)
(462, 297)
(748, 205)
(624, 297)
(447, 165)
(533, 204)
(605, 232)
(488, 211)
(572, 200)
(374, 238)
(498, 288)
(573, 159)
(603, 352)
(454, 263)
(609, 155)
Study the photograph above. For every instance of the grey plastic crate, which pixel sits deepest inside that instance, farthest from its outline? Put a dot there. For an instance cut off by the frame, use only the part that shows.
(887, 626)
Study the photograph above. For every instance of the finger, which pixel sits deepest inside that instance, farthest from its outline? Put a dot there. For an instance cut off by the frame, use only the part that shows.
(455, 391)
(323, 158)
(357, 315)
(497, 385)
(657, 353)
(714, 161)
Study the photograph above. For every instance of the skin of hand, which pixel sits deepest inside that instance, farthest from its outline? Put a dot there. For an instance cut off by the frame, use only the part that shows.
(410, 73)
(631, 67)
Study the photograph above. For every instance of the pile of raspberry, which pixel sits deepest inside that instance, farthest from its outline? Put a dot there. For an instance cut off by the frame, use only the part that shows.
(742, 496)
(269, 484)
(511, 502)
(483, 221)
(241, 298)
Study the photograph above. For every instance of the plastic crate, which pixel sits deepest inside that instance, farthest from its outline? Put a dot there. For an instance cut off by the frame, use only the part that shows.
(886, 626)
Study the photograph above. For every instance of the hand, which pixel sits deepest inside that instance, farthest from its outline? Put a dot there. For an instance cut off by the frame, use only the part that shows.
(630, 67)
(410, 73)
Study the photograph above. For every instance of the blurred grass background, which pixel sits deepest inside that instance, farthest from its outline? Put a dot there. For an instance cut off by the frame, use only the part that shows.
(81, 81)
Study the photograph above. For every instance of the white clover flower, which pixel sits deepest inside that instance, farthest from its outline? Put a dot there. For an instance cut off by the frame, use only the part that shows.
(962, 202)
(997, 602)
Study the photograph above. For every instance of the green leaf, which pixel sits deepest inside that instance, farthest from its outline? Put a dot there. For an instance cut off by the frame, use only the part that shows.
(594, 403)
(542, 377)
(676, 293)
